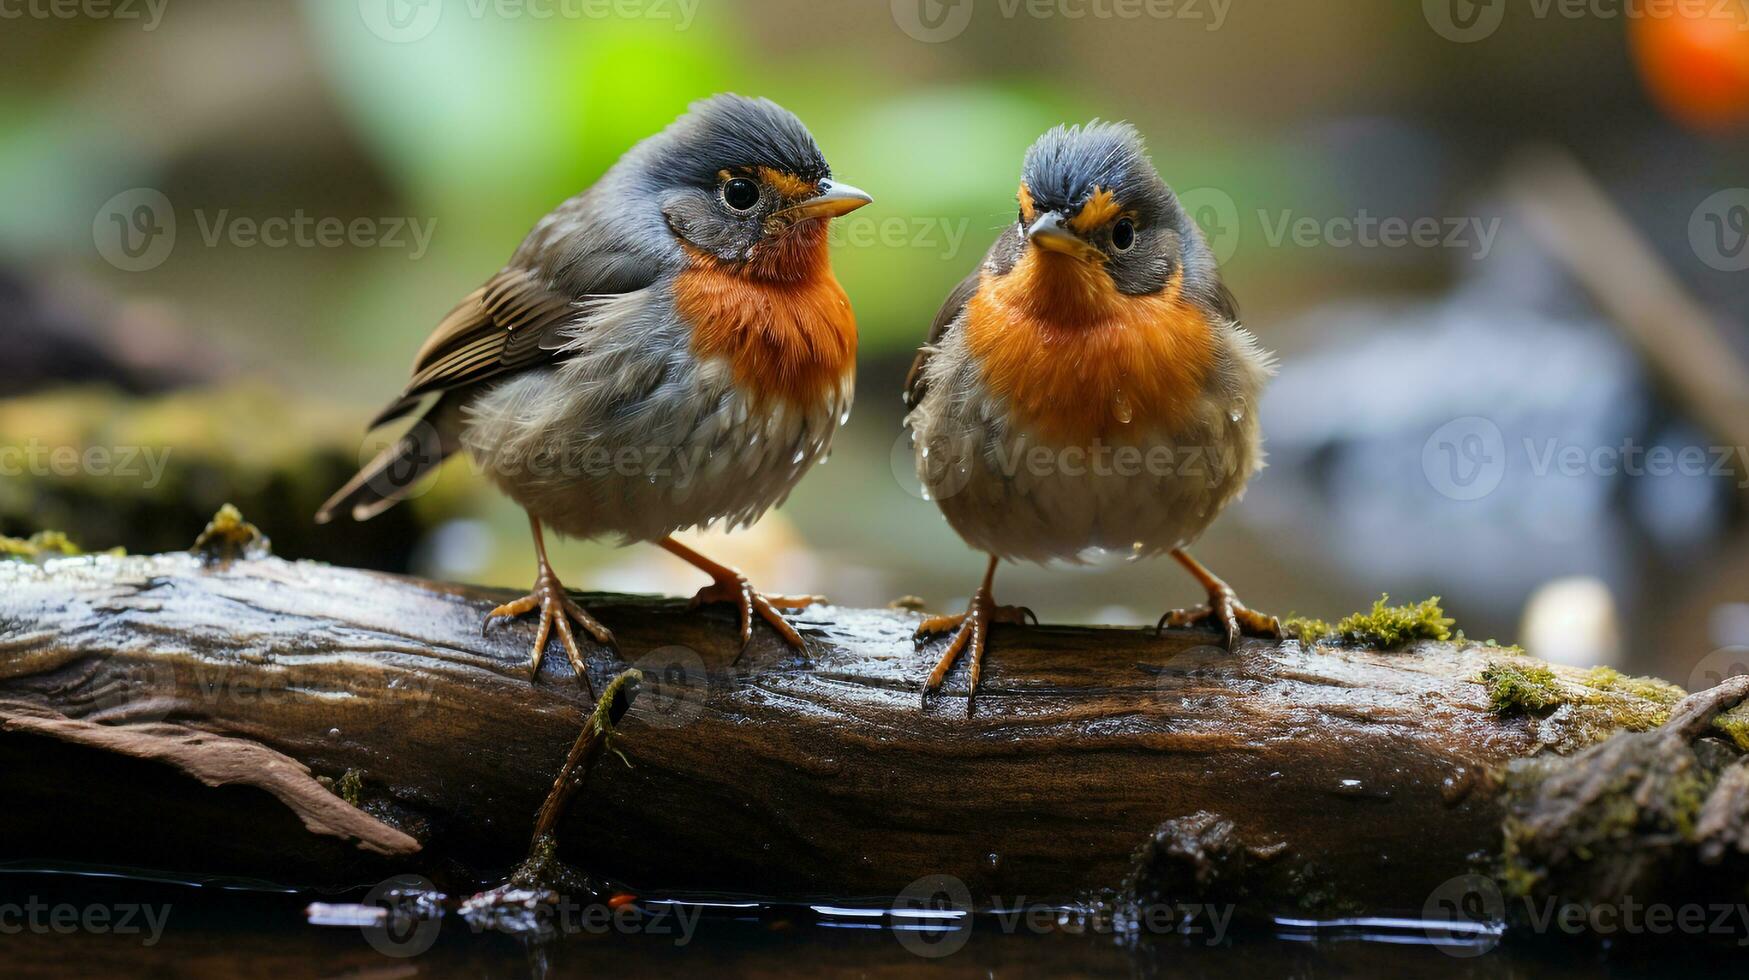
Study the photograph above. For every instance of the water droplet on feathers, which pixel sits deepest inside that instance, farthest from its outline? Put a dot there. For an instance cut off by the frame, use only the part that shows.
(1120, 407)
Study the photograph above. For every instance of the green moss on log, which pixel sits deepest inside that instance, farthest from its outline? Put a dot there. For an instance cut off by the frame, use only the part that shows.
(1384, 627)
(349, 786)
(228, 537)
(41, 545)
(1521, 687)
(1574, 708)
(1626, 818)
(1734, 725)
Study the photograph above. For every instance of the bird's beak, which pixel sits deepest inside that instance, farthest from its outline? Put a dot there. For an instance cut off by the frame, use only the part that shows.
(1051, 234)
(834, 199)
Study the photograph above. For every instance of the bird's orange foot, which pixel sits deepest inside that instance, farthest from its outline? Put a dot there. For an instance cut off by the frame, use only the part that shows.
(1226, 613)
(733, 587)
(970, 630)
(556, 609)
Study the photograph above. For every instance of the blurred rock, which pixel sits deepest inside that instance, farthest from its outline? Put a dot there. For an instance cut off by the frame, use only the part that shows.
(1485, 444)
(62, 336)
(145, 473)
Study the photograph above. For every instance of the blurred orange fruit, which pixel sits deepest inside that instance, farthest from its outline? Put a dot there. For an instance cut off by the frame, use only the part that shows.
(1694, 58)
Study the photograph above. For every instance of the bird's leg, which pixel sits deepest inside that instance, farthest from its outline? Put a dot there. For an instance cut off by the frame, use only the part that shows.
(556, 608)
(1223, 610)
(970, 630)
(729, 585)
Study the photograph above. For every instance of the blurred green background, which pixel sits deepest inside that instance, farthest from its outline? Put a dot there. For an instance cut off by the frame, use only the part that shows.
(256, 365)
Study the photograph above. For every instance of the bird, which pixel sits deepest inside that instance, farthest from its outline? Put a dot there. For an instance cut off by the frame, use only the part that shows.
(1088, 388)
(665, 350)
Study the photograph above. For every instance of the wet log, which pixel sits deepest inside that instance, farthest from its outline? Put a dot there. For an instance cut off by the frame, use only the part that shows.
(311, 725)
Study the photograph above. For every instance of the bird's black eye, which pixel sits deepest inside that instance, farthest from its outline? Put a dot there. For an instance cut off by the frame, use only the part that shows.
(741, 194)
(1123, 235)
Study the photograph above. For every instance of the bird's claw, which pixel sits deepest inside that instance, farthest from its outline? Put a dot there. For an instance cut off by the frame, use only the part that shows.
(557, 608)
(738, 591)
(970, 629)
(1012, 615)
(1227, 614)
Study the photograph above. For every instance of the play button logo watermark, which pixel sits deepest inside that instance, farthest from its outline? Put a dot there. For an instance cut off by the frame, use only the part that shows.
(401, 21)
(135, 230)
(1465, 459)
(1464, 21)
(932, 21)
(1464, 915)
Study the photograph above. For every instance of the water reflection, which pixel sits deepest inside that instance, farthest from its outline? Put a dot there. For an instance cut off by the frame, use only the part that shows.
(228, 933)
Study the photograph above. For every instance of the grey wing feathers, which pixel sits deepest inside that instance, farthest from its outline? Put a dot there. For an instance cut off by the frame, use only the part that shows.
(915, 386)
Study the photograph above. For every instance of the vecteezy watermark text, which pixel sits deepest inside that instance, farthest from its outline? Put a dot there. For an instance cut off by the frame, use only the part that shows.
(940, 235)
(1632, 459)
(36, 916)
(1472, 906)
(127, 462)
(1466, 458)
(149, 13)
(301, 230)
(677, 921)
(1632, 918)
(949, 462)
(675, 466)
(1468, 21)
(935, 21)
(1224, 226)
(406, 21)
(135, 230)
(933, 917)
(1363, 229)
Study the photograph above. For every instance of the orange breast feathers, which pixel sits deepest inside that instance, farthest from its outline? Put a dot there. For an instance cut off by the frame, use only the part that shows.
(1077, 360)
(789, 339)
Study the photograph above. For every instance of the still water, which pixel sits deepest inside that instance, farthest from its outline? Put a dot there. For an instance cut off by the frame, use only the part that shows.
(78, 925)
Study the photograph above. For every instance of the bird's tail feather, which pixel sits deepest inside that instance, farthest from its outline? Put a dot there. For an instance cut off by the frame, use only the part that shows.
(396, 472)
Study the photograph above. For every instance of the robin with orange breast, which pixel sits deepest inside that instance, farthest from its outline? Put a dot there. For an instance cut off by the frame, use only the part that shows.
(1088, 387)
(665, 350)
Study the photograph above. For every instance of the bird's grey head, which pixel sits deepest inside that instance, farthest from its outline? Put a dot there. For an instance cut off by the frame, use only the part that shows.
(1091, 192)
(742, 181)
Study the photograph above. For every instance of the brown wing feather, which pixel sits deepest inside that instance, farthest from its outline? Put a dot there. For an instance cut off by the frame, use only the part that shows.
(497, 329)
(520, 318)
